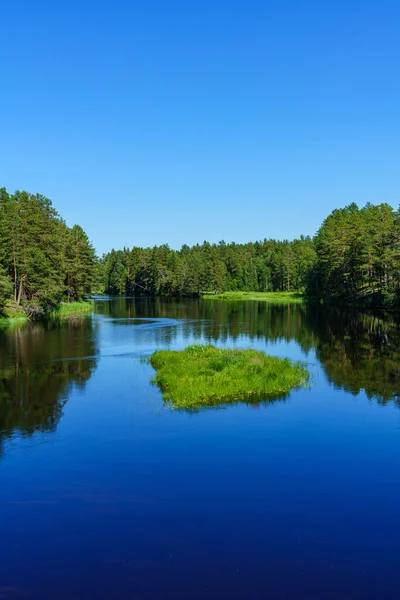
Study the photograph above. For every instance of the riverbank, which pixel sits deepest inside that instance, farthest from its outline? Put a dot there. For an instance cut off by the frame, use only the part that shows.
(206, 376)
(274, 297)
(12, 314)
(72, 310)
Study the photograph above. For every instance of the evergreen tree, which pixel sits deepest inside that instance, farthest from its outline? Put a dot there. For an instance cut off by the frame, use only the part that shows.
(42, 261)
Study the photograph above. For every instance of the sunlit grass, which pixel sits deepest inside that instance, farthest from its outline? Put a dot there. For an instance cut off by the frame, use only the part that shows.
(13, 321)
(12, 314)
(273, 297)
(71, 310)
(205, 376)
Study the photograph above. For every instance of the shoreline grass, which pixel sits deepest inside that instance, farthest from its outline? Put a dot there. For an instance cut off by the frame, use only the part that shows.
(72, 310)
(11, 313)
(207, 376)
(273, 297)
(7, 321)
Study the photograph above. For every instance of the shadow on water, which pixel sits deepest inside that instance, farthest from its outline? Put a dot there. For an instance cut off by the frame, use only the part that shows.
(39, 363)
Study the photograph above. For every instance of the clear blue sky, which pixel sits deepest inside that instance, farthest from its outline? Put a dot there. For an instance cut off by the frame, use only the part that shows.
(166, 121)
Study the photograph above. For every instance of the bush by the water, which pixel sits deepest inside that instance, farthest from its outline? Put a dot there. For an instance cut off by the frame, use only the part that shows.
(205, 375)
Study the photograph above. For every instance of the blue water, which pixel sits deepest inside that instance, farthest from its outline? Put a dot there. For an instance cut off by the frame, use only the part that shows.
(109, 493)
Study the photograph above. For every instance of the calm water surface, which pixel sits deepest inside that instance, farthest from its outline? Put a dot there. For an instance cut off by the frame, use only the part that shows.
(105, 492)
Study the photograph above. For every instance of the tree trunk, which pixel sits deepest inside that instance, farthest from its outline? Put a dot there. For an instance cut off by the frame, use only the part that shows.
(20, 289)
(15, 280)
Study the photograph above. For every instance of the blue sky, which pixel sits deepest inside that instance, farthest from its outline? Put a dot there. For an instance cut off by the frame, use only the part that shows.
(178, 121)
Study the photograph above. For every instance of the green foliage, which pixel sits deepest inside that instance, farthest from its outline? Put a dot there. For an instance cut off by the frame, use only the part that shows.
(11, 312)
(354, 258)
(263, 266)
(42, 261)
(206, 376)
(5, 288)
(80, 262)
(358, 256)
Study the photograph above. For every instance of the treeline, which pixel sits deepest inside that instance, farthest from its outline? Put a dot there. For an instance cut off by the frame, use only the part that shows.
(269, 265)
(355, 256)
(42, 261)
(358, 256)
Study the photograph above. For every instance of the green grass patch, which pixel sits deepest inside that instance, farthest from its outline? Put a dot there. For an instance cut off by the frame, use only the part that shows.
(273, 297)
(206, 376)
(13, 321)
(11, 314)
(72, 310)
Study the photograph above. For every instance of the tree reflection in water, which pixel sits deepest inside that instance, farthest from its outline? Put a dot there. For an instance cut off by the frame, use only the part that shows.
(39, 363)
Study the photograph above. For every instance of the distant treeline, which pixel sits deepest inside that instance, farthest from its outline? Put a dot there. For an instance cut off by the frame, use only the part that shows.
(42, 261)
(355, 256)
(160, 271)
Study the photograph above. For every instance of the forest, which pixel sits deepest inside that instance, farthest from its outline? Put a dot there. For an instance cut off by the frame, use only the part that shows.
(42, 261)
(269, 265)
(354, 257)
(358, 256)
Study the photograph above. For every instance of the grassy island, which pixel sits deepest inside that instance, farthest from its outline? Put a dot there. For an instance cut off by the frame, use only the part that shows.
(205, 376)
(273, 297)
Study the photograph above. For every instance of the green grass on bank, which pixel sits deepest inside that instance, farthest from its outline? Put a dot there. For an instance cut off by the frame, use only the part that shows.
(72, 310)
(273, 297)
(6, 321)
(207, 376)
(11, 313)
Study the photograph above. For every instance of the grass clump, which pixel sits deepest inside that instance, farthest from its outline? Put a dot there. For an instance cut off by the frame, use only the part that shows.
(273, 297)
(205, 376)
(72, 310)
(11, 313)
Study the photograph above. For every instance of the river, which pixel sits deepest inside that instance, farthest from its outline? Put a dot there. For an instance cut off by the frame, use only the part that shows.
(107, 492)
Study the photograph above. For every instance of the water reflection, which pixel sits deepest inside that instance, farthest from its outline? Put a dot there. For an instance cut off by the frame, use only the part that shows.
(215, 321)
(357, 351)
(40, 362)
(38, 365)
(132, 501)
